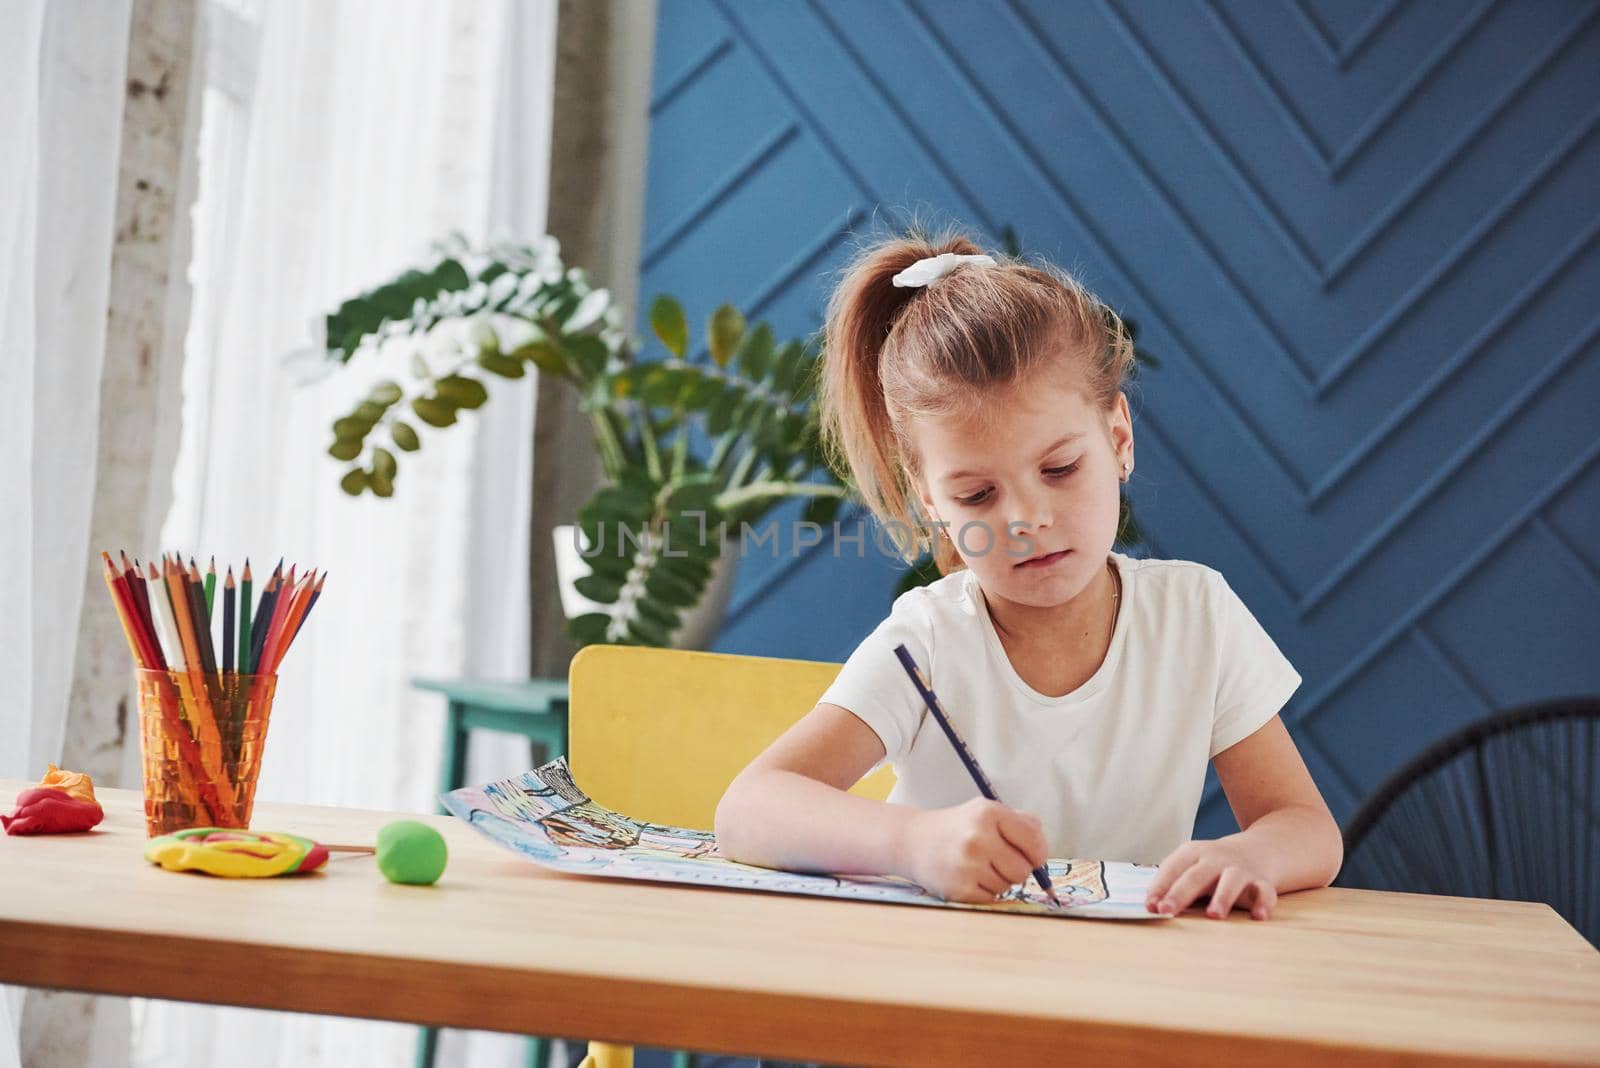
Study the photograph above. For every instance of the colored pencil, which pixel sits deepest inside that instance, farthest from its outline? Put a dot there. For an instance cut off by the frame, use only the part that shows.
(227, 623)
(141, 595)
(211, 585)
(258, 637)
(1041, 873)
(185, 597)
(161, 605)
(280, 608)
(298, 610)
(289, 598)
(130, 627)
(200, 619)
(178, 595)
(132, 580)
(244, 620)
(316, 592)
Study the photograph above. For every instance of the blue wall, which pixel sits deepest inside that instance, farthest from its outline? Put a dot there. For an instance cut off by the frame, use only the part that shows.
(1360, 235)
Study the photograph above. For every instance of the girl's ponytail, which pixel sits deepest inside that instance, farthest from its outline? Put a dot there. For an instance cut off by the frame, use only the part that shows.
(859, 434)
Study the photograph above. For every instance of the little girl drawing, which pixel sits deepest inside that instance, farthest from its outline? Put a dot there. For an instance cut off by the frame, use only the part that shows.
(980, 399)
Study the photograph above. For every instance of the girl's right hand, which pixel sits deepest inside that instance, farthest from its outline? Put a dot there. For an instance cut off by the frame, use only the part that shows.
(973, 852)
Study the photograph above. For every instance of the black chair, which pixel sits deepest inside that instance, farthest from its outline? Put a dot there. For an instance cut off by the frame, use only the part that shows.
(1508, 808)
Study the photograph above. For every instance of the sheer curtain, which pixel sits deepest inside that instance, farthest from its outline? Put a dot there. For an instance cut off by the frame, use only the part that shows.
(337, 141)
(61, 77)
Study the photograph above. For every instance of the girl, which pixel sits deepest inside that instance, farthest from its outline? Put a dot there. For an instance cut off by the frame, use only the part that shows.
(982, 399)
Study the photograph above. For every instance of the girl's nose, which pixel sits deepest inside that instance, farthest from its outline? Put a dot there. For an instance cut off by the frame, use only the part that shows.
(1036, 514)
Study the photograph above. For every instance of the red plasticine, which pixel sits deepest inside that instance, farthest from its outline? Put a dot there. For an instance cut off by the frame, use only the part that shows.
(47, 810)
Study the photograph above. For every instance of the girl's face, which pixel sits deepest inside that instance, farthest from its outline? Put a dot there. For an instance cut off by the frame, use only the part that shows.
(1028, 487)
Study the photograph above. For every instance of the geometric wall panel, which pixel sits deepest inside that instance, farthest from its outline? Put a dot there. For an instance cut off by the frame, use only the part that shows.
(1360, 234)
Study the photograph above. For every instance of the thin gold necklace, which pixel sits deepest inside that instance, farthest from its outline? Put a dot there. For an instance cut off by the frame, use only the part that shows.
(1116, 605)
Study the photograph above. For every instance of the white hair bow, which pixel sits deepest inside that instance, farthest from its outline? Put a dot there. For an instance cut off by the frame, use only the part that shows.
(933, 268)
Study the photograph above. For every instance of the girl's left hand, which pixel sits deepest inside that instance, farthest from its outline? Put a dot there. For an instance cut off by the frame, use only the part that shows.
(1220, 868)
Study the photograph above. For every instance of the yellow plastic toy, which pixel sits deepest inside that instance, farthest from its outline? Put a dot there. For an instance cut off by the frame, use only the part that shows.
(235, 854)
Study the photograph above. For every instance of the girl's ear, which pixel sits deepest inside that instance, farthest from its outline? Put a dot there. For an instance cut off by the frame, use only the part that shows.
(1119, 425)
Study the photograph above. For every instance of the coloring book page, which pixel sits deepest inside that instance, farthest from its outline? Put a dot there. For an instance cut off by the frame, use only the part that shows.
(544, 816)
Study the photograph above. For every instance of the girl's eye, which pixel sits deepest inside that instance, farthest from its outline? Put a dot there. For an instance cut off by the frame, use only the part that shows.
(976, 498)
(1058, 472)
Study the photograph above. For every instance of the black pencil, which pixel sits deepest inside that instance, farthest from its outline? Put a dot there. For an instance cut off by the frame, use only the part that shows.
(258, 629)
(1040, 873)
(202, 621)
(227, 621)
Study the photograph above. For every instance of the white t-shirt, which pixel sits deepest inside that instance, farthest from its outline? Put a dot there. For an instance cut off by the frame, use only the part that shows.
(1114, 769)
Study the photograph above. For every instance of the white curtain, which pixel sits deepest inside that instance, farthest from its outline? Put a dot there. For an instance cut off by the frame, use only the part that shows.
(61, 77)
(337, 141)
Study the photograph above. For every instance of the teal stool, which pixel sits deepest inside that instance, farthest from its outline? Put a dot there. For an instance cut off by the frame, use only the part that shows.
(535, 709)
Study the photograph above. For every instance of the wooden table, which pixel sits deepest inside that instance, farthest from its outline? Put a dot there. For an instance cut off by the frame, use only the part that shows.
(500, 944)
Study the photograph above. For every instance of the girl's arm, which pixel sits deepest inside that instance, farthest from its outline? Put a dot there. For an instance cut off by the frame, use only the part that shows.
(790, 809)
(1289, 840)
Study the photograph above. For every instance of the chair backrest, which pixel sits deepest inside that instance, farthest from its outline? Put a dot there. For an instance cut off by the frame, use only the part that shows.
(1508, 807)
(659, 734)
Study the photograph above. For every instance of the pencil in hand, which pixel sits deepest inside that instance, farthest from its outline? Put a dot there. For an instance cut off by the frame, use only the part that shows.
(1041, 873)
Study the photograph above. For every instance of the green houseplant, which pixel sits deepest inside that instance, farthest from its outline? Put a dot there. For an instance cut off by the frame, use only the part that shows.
(689, 447)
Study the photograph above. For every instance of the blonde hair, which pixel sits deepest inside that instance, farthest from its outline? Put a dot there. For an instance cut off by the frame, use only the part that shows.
(892, 353)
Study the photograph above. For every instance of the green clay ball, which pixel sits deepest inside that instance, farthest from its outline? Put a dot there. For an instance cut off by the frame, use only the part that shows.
(410, 852)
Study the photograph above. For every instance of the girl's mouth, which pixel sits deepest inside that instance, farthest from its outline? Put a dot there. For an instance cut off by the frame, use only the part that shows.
(1047, 560)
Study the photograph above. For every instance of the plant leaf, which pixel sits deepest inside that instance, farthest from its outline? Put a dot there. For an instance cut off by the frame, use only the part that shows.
(724, 332)
(755, 354)
(586, 353)
(386, 393)
(671, 589)
(669, 324)
(649, 632)
(383, 463)
(404, 436)
(461, 391)
(367, 312)
(544, 356)
(720, 416)
(354, 481)
(589, 628)
(500, 364)
(351, 428)
(598, 588)
(659, 614)
(433, 411)
(588, 312)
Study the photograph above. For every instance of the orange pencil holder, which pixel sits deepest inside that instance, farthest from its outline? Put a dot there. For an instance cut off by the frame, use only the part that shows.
(201, 736)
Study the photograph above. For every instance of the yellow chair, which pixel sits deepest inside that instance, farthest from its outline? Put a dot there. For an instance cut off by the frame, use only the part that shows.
(658, 734)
